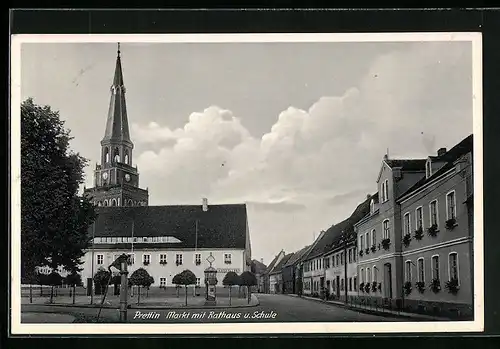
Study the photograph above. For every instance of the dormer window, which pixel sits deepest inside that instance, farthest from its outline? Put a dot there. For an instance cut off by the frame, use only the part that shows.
(384, 191)
(428, 168)
(372, 206)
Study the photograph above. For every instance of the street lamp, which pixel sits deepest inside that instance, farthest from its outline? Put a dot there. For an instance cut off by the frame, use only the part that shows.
(210, 281)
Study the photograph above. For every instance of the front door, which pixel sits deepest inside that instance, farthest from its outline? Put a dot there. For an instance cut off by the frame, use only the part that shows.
(387, 280)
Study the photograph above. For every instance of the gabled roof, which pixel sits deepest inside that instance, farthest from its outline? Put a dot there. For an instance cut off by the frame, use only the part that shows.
(281, 264)
(297, 256)
(333, 235)
(459, 150)
(222, 226)
(273, 263)
(407, 164)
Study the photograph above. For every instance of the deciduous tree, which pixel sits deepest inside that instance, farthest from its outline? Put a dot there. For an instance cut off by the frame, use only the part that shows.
(230, 280)
(54, 219)
(185, 278)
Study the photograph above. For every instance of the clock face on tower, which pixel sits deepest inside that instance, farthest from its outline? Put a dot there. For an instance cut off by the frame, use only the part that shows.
(105, 175)
(127, 177)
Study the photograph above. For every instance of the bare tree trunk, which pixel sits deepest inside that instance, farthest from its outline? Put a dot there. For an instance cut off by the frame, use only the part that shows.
(74, 291)
(230, 294)
(51, 293)
(248, 294)
(31, 293)
(186, 289)
(138, 294)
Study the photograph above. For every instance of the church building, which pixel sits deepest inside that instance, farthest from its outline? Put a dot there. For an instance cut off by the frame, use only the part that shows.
(164, 240)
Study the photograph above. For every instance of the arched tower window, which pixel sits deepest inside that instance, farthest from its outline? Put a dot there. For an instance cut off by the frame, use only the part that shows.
(113, 202)
(126, 157)
(106, 155)
(130, 203)
(105, 203)
(99, 203)
(116, 155)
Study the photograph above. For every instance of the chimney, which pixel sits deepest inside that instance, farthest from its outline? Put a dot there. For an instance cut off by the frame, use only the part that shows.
(386, 157)
(441, 151)
(368, 196)
(262, 260)
(204, 203)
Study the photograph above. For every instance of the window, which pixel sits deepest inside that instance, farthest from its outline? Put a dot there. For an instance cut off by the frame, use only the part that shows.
(386, 229)
(368, 275)
(451, 207)
(407, 223)
(163, 258)
(420, 270)
(341, 259)
(372, 206)
(131, 258)
(453, 266)
(433, 208)
(385, 191)
(342, 284)
(354, 254)
(327, 263)
(350, 284)
(419, 219)
(362, 275)
(198, 281)
(338, 260)
(375, 276)
(428, 169)
(355, 284)
(146, 259)
(178, 259)
(435, 267)
(350, 256)
(374, 237)
(408, 271)
(100, 259)
(361, 242)
(197, 258)
(163, 282)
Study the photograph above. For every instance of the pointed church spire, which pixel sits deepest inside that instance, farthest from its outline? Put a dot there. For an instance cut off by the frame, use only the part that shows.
(117, 130)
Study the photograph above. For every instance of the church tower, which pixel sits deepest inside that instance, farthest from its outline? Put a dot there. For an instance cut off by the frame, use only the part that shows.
(116, 181)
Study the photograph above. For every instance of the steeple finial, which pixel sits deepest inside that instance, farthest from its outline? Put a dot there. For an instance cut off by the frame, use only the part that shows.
(118, 50)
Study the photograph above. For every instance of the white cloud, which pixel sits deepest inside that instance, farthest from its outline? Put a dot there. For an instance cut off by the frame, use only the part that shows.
(411, 101)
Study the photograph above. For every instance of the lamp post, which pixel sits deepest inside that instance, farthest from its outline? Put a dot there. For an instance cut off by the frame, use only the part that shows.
(345, 264)
(210, 281)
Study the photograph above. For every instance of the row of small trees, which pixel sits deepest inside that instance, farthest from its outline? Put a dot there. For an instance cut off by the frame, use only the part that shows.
(55, 279)
(246, 278)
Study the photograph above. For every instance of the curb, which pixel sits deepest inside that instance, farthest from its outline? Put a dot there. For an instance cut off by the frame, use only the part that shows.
(374, 312)
(145, 306)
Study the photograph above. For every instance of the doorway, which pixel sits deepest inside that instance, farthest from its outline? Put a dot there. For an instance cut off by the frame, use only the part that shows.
(387, 280)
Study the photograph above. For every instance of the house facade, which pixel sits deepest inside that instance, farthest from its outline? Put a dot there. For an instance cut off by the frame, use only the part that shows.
(437, 235)
(379, 233)
(276, 275)
(291, 269)
(267, 273)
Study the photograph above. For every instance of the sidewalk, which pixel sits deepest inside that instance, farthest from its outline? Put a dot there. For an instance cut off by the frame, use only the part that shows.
(151, 302)
(380, 311)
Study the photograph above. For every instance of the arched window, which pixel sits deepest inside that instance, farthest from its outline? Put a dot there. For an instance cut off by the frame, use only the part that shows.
(116, 155)
(126, 157)
(99, 203)
(113, 202)
(106, 155)
(130, 202)
(105, 203)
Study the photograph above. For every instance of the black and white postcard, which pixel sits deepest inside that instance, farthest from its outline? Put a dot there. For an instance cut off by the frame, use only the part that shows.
(267, 183)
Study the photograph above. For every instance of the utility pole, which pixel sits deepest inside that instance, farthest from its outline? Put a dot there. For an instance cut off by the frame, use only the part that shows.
(92, 266)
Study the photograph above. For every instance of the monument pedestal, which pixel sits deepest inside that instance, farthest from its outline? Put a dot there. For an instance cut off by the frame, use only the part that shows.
(210, 299)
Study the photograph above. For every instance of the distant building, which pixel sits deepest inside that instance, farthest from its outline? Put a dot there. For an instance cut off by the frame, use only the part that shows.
(270, 267)
(276, 284)
(259, 268)
(290, 271)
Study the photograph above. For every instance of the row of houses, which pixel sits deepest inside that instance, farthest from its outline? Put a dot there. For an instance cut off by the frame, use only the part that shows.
(407, 246)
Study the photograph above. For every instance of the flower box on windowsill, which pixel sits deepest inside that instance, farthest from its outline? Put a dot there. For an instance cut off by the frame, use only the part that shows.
(407, 288)
(420, 286)
(367, 250)
(145, 263)
(379, 286)
(362, 287)
(163, 263)
(373, 248)
(451, 223)
(452, 286)
(386, 243)
(406, 239)
(227, 262)
(197, 263)
(367, 287)
(178, 263)
(435, 285)
(419, 234)
(374, 286)
(361, 253)
(433, 230)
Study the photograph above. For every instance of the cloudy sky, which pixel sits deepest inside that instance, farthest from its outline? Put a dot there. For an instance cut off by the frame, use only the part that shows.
(296, 130)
